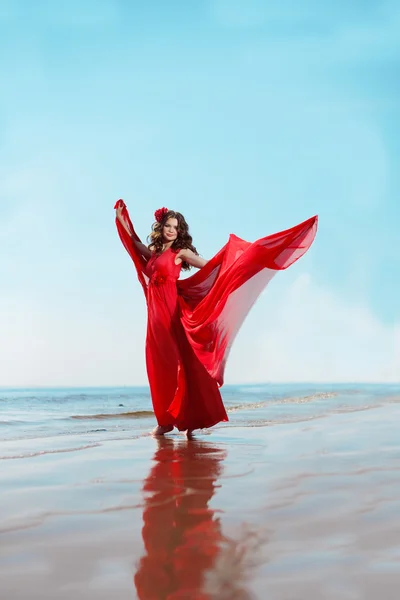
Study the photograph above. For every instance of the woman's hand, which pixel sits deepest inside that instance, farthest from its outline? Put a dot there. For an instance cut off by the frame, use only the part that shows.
(119, 207)
(118, 210)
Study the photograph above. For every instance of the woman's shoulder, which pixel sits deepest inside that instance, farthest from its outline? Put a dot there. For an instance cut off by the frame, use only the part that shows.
(186, 250)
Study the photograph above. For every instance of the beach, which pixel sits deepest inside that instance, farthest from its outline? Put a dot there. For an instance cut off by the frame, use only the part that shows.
(298, 496)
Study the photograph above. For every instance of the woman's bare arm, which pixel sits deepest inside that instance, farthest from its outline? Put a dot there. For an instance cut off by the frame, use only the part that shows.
(190, 257)
(144, 251)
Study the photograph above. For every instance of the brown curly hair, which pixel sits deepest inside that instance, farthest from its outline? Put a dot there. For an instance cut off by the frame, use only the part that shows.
(183, 240)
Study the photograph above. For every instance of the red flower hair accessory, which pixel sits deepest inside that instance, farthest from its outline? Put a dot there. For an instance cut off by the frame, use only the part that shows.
(160, 214)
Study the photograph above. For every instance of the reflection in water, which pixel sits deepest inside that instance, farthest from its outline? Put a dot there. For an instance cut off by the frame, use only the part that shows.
(181, 534)
(186, 555)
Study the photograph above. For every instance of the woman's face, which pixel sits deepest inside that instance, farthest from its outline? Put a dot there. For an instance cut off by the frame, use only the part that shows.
(170, 230)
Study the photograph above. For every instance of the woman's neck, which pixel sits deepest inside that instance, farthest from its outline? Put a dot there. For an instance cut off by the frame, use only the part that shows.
(167, 245)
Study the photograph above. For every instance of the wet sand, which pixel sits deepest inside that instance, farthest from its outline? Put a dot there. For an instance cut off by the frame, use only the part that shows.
(286, 512)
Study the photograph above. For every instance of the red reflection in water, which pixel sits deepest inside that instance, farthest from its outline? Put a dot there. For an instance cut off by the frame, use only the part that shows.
(181, 534)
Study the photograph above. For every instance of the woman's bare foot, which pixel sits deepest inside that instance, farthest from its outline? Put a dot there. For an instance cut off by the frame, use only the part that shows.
(161, 429)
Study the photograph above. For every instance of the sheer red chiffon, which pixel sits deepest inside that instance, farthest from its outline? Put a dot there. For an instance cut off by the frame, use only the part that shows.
(193, 322)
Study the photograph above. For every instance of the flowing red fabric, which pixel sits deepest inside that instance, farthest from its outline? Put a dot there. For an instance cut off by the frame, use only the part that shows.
(193, 322)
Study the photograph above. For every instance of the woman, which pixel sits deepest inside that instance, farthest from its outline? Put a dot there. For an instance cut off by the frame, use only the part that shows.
(192, 322)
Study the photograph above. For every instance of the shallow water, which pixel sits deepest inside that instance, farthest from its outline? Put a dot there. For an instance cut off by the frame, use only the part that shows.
(44, 416)
(296, 497)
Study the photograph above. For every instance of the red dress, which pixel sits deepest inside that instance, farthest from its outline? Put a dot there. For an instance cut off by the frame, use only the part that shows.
(193, 322)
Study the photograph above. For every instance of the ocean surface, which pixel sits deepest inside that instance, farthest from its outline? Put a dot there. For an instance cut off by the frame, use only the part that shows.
(300, 490)
(42, 421)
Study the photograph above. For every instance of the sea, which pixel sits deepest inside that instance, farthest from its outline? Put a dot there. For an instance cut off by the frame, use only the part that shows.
(52, 420)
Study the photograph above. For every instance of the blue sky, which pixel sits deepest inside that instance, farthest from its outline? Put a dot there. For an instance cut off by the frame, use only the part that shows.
(247, 116)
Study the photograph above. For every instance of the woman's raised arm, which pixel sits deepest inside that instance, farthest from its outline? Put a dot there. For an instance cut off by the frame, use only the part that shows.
(144, 251)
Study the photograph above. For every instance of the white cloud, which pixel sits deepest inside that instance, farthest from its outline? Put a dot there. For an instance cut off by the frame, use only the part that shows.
(76, 344)
(304, 334)
(311, 334)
